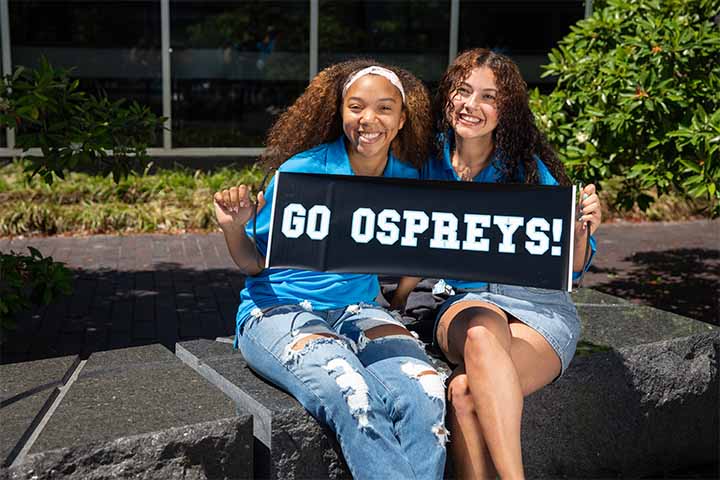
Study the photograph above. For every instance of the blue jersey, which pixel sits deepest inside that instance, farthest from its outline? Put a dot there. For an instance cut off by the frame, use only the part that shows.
(323, 290)
(440, 168)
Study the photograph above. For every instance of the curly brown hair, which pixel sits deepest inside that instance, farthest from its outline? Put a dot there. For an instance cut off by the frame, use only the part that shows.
(516, 134)
(316, 116)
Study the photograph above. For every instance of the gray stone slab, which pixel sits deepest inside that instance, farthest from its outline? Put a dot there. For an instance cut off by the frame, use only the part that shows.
(640, 411)
(132, 391)
(291, 444)
(619, 324)
(26, 391)
(588, 296)
(219, 449)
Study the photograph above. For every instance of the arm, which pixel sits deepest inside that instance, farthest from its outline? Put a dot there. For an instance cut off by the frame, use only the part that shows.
(405, 286)
(233, 209)
(586, 225)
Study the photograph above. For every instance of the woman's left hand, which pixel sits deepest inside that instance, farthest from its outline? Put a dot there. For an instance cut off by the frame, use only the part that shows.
(590, 211)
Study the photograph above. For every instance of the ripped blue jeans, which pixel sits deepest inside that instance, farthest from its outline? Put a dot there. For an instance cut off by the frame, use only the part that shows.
(356, 371)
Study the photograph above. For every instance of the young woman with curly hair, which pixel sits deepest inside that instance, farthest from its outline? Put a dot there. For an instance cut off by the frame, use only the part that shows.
(506, 341)
(321, 336)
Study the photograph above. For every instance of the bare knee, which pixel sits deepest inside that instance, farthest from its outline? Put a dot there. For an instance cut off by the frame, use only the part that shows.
(483, 344)
(460, 397)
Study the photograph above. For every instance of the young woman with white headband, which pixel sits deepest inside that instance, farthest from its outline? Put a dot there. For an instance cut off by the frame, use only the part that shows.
(321, 336)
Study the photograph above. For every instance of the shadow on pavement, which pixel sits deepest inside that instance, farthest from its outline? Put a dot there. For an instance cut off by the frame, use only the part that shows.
(112, 309)
(683, 281)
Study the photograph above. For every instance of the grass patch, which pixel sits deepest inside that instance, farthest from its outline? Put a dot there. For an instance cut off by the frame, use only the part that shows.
(585, 348)
(179, 200)
(174, 200)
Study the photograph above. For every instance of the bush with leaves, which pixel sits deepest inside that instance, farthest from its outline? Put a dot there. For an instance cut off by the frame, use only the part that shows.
(74, 129)
(29, 279)
(638, 98)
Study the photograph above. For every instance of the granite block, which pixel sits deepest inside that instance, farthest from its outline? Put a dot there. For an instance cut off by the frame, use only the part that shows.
(290, 443)
(640, 411)
(131, 391)
(26, 391)
(612, 322)
(218, 449)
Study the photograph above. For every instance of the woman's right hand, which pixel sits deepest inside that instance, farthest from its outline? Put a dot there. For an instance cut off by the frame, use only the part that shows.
(233, 207)
(402, 292)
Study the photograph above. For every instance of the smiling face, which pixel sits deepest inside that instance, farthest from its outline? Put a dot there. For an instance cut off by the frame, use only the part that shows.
(372, 115)
(474, 113)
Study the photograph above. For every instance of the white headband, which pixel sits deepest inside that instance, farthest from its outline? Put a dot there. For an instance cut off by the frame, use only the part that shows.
(375, 70)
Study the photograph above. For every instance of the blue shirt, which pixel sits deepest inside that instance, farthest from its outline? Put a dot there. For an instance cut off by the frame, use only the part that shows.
(440, 168)
(323, 290)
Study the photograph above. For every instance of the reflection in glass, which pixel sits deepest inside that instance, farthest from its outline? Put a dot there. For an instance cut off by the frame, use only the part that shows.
(523, 30)
(235, 66)
(410, 34)
(114, 47)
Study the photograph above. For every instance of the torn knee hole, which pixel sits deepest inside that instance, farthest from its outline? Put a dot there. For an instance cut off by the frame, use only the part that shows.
(306, 338)
(387, 330)
(307, 342)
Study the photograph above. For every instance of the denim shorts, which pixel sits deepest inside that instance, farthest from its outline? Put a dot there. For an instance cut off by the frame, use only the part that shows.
(551, 313)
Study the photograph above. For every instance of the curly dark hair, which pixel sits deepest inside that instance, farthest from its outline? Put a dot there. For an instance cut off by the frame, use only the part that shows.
(516, 134)
(316, 116)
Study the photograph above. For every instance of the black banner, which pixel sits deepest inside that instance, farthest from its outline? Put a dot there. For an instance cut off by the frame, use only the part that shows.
(514, 234)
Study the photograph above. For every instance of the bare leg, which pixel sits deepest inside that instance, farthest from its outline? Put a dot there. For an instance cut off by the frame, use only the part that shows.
(535, 360)
(467, 447)
(496, 392)
(505, 361)
(477, 333)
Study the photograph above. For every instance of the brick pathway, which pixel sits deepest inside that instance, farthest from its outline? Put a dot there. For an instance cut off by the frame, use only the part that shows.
(130, 290)
(142, 289)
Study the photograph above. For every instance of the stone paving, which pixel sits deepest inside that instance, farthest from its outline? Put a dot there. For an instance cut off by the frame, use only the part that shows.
(672, 266)
(129, 290)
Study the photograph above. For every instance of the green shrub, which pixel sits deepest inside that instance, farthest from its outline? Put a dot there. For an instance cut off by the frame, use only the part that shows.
(29, 279)
(72, 128)
(638, 98)
(165, 201)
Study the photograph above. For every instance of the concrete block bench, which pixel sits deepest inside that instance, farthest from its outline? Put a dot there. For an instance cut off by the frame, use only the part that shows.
(290, 444)
(641, 399)
(129, 413)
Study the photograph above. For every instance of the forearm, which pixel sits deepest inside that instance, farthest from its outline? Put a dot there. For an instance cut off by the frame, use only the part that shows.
(579, 249)
(405, 286)
(243, 250)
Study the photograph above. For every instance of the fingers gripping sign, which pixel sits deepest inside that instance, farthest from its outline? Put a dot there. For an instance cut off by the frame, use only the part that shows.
(233, 206)
(590, 211)
(233, 210)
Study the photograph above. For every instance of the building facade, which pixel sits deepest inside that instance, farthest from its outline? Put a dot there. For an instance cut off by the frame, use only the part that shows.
(221, 71)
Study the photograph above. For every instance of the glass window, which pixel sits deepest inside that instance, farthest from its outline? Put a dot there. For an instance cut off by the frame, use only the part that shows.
(523, 30)
(3, 131)
(114, 47)
(235, 67)
(410, 34)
